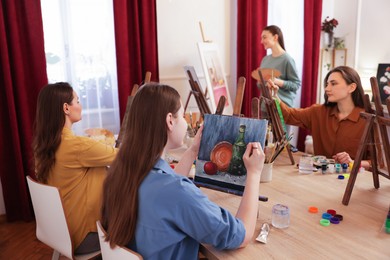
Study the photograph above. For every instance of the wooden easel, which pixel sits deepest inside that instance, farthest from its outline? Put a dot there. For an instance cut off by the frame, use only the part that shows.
(200, 98)
(130, 98)
(277, 127)
(374, 135)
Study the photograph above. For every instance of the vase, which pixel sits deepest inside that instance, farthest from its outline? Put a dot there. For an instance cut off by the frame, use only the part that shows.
(328, 39)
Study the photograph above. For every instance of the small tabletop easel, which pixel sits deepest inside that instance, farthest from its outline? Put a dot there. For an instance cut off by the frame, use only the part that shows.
(374, 136)
(277, 127)
(127, 112)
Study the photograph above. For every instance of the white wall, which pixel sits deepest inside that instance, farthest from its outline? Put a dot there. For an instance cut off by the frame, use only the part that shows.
(179, 32)
(373, 38)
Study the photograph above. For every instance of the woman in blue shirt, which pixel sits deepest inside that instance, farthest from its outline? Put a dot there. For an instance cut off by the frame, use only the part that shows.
(159, 212)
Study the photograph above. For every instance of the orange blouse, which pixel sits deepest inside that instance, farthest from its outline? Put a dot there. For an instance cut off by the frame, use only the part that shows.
(330, 135)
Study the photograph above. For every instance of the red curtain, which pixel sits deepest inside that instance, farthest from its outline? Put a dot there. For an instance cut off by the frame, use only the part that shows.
(22, 74)
(136, 44)
(251, 19)
(312, 30)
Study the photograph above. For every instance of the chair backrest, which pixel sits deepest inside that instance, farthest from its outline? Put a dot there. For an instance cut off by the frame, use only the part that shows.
(52, 228)
(118, 252)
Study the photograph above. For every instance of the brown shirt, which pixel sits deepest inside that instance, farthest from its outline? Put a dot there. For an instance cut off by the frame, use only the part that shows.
(79, 172)
(330, 135)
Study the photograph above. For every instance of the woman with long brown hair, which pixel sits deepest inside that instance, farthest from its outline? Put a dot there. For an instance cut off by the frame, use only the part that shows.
(159, 212)
(74, 164)
(336, 126)
(288, 81)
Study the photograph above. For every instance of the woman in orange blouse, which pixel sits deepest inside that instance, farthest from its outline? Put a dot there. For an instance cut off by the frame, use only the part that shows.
(336, 126)
(74, 164)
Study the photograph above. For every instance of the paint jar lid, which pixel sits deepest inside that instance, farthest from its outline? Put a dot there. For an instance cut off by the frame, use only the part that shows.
(334, 220)
(325, 222)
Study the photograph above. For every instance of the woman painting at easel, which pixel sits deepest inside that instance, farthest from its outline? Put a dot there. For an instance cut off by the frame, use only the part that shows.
(158, 211)
(336, 126)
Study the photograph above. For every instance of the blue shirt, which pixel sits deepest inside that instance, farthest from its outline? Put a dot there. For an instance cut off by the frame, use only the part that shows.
(174, 216)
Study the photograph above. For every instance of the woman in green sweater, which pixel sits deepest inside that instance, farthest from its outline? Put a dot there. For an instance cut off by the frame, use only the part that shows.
(288, 81)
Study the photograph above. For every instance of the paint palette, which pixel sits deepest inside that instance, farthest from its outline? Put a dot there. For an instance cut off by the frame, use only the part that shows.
(318, 160)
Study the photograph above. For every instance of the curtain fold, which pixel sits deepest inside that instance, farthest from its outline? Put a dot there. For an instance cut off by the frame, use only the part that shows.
(22, 75)
(136, 45)
(251, 19)
(312, 30)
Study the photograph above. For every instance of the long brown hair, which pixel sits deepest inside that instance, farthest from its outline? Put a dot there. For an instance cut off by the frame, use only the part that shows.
(273, 29)
(145, 139)
(48, 125)
(350, 76)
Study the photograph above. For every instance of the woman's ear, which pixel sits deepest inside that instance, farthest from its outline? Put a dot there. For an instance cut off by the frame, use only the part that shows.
(276, 37)
(352, 87)
(66, 108)
(169, 121)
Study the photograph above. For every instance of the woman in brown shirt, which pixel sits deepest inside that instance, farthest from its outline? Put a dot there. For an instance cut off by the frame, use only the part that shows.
(336, 126)
(74, 164)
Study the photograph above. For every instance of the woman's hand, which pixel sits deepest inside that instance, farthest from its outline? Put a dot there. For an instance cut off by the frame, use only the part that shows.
(273, 88)
(254, 158)
(196, 143)
(186, 161)
(342, 157)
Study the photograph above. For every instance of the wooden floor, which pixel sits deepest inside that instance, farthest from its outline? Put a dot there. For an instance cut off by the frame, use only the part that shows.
(18, 241)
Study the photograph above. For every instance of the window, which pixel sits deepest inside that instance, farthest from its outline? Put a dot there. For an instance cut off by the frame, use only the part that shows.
(80, 49)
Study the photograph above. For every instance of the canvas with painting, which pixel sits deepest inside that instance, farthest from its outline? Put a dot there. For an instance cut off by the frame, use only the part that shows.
(223, 143)
(383, 76)
(215, 76)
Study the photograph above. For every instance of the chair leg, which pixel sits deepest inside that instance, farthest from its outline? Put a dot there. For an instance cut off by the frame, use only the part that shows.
(56, 255)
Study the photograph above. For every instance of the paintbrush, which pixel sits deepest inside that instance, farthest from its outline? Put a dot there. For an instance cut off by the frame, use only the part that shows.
(270, 152)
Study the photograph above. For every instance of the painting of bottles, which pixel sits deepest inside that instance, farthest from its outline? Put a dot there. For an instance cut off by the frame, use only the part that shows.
(223, 144)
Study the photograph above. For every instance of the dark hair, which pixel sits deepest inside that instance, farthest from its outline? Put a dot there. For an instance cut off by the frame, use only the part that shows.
(48, 125)
(350, 76)
(273, 29)
(145, 138)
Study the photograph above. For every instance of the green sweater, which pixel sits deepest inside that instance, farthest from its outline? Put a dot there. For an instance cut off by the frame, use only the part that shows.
(286, 65)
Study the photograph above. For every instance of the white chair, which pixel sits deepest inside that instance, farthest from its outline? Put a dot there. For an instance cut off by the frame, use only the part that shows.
(52, 228)
(118, 252)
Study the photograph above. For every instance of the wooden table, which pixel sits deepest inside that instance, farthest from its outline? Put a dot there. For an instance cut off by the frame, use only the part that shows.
(360, 235)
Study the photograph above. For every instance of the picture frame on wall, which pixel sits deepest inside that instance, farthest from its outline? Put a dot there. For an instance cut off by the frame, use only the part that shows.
(383, 77)
(339, 57)
(215, 76)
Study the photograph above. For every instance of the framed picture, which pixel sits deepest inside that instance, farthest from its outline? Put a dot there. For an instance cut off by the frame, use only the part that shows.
(339, 57)
(215, 76)
(223, 143)
(383, 77)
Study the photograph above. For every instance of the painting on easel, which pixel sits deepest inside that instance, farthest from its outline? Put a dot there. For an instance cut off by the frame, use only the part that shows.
(383, 76)
(222, 146)
(215, 76)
